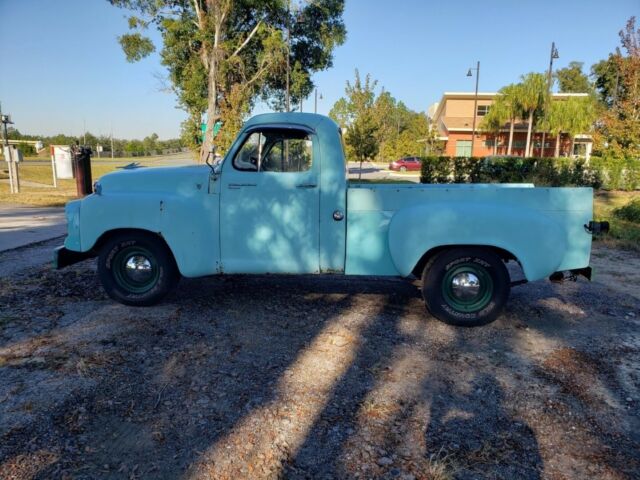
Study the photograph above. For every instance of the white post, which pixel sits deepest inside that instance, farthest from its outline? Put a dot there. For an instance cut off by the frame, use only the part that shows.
(53, 168)
(8, 157)
(16, 176)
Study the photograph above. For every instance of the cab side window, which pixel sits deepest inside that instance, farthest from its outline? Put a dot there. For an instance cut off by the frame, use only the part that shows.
(273, 150)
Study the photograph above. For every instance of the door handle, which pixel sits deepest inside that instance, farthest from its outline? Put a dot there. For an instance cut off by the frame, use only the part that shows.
(306, 185)
(240, 185)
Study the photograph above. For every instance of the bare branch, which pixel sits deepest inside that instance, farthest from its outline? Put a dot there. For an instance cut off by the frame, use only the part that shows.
(198, 9)
(248, 39)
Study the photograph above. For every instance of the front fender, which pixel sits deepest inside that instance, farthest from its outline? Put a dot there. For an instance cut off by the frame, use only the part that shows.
(188, 224)
(537, 241)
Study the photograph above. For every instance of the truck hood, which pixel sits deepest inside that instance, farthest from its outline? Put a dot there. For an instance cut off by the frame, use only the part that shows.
(157, 179)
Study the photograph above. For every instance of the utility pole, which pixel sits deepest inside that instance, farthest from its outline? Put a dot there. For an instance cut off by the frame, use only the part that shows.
(552, 56)
(315, 108)
(111, 140)
(475, 104)
(14, 182)
(84, 131)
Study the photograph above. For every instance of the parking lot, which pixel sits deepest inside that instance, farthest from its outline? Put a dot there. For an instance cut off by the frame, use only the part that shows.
(316, 377)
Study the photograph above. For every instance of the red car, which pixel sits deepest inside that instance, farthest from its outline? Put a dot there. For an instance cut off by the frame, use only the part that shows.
(404, 164)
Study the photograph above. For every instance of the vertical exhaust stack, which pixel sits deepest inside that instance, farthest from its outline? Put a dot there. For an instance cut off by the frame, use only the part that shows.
(82, 169)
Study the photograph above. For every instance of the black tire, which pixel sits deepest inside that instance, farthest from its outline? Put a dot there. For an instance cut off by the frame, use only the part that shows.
(152, 271)
(453, 296)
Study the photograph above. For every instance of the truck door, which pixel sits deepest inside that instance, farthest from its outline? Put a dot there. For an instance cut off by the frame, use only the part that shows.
(269, 203)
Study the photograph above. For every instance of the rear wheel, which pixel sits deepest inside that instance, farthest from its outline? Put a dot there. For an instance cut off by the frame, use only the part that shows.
(466, 286)
(137, 269)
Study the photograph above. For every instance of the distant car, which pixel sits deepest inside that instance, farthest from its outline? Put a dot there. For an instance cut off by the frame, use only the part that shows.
(404, 164)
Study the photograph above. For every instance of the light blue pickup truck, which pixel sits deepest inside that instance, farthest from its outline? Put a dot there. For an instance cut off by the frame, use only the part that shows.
(280, 203)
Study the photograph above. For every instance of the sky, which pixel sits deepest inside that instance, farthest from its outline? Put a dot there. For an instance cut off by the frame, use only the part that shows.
(62, 69)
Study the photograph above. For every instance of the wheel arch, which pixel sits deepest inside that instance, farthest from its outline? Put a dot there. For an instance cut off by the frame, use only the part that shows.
(106, 236)
(505, 255)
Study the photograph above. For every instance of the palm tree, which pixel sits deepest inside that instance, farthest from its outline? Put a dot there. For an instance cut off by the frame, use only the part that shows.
(494, 120)
(556, 121)
(533, 90)
(507, 108)
(574, 115)
(581, 114)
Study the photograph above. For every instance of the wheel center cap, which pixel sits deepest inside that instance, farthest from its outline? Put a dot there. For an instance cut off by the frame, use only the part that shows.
(465, 286)
(138, 268)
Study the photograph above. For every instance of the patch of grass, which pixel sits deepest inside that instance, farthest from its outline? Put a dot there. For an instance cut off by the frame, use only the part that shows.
(630, 212)
(46, 196)
(625, 232)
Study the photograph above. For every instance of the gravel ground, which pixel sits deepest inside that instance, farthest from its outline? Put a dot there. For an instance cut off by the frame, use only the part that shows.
(307, 377)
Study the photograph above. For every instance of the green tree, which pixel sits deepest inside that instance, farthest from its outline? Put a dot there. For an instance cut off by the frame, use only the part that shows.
(507, 106)
(493, 122)
(618, 85)
(555, 121)
(580, 115)
(606, 78)
(532, 98)
(358, 104)
(222, 55)
(571, 79)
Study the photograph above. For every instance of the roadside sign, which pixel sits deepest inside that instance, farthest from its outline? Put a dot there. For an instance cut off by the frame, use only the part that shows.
(216, 129)
(61, 157)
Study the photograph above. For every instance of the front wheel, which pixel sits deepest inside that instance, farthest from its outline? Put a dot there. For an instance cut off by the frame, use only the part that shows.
(403, 169)
(466, 286)
(137, 269)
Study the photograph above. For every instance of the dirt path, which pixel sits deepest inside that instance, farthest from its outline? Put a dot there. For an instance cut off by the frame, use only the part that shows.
(306, 377)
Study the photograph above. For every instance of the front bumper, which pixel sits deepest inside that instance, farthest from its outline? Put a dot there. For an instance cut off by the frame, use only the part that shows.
(63, 257)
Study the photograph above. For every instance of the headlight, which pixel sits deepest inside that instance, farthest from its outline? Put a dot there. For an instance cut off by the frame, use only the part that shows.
(97, 187)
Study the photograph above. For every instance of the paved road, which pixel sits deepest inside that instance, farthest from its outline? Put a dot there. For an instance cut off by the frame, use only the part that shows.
(371, 171)
(21, 225)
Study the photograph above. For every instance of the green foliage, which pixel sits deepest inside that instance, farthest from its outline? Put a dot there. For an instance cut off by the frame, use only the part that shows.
(532, 97)
(396, 130)
(222, 56)
(355, 114)
(553, 172)
(616, 173)
(571, 79)
(617, 81)
(630, 212)
(135, 46)
(361, 137)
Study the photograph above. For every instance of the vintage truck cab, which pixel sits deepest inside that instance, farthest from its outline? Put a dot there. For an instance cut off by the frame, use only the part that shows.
(280, 203)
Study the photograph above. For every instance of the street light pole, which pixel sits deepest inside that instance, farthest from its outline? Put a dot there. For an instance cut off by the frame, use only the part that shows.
(552, 56)
(475, 104)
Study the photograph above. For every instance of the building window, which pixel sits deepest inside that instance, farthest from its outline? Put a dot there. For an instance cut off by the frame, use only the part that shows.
(482, 110)
(519, 144)
(463, 148)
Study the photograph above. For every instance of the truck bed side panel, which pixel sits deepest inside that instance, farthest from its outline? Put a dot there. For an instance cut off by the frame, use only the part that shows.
(542, 227)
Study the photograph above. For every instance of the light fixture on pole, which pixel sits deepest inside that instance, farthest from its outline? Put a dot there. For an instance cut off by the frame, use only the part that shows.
(475, 103)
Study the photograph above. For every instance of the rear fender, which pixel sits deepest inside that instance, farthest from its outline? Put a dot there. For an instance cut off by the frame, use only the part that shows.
(538, 242)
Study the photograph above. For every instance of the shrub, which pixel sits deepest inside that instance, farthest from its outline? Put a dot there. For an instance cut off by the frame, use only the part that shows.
(611, 174)
(630, 212)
